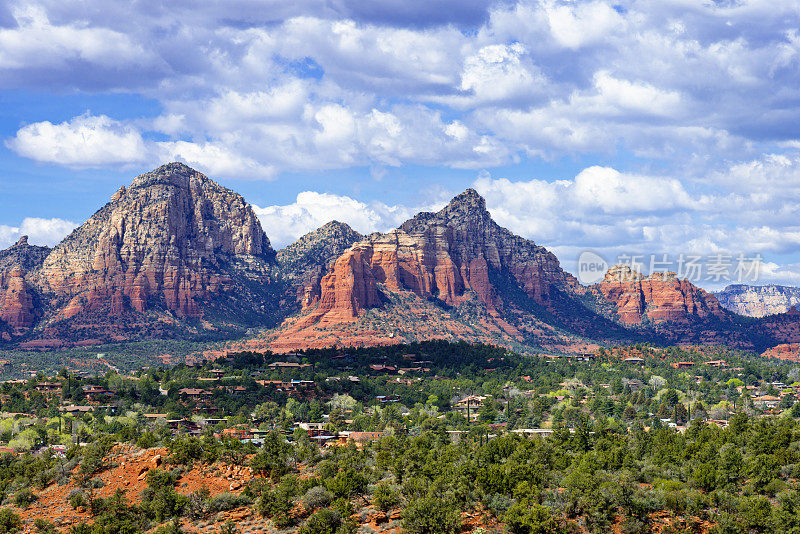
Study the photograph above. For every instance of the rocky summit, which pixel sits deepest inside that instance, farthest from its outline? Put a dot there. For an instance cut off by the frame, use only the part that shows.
(454, 273)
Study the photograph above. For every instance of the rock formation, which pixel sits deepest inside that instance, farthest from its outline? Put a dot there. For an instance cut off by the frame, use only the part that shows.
(441, 256)
(304, 262)
(173, 239)
(658, 298)
(174, 246)
(19, 301)
(758, 301)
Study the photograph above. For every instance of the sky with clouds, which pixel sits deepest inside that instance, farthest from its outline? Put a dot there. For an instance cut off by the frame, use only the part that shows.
(630, 127)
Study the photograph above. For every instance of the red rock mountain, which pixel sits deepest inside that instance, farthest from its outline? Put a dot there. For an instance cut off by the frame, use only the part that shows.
(658, 298)
(173, 246)
(19, 302)
(458, 274)
(441, 256)
(303, 263)
(172, 239)
(177, 255)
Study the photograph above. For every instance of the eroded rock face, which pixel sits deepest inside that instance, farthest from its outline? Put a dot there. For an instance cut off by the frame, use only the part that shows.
(305, 262)
(18, 297)
(173, 239)
(758, 301)
(658, 298)
(440, 256)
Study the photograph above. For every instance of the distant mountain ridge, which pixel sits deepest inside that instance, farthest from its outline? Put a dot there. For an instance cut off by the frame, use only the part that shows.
(176, 255)
(758, 301)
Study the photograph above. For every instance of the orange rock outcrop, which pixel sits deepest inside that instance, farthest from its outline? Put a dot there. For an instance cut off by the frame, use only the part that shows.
(657, 298)
(440, 256)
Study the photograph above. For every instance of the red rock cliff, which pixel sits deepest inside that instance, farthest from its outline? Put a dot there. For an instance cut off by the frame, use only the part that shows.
(658, 298)
(441, 256)
(169, 240)
(18, 296)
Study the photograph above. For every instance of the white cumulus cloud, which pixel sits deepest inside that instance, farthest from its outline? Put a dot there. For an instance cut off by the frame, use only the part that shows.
(283, 224)
(84, 141)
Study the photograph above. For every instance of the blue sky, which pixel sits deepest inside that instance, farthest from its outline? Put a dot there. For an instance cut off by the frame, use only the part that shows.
(626, 128)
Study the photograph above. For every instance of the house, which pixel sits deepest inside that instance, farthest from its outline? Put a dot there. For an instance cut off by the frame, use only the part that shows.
(633, 360)
(241, 434)
(682, 365)
(48, 387)
(380, 368)
(387, 398)
(362, 437)
(313, 429)
(717, 363)
(766, 402)
(193, 393)
(527, 432)
(94, 393)
(634, 384)
(183, 425)
(289, 365)
(470, 405)
(75, 409)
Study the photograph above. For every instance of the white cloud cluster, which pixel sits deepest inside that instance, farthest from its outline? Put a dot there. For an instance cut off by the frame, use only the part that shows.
(39, 231)
(751, 210)
(84, 141)
(308, 85)
(311, 210)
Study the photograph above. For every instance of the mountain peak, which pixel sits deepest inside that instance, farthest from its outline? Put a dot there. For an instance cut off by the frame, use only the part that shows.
(469, 200)
(175, 173)
(22, 241)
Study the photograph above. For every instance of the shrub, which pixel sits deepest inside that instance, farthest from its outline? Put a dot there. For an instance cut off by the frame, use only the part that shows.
(317, 497)
(227, 501)
(429, 515)
(197, 502)
(385, 497)
(24, 497)
(530, 518)
(76, 498)
(9, 521)
(498, 503)
(325, 521)
(44, 527)
(348, 482)
(159, 499)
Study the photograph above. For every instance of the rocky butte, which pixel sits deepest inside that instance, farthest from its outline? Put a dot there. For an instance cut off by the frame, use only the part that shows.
(658, 298)
(461, 274)
(20, 306)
